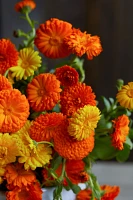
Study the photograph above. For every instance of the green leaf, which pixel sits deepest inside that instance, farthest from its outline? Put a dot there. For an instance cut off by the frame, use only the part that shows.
(106, 103)
(57, 193)
(103, 149)
(56, 161)
(123, 155)
(129, 143)
(75, 188)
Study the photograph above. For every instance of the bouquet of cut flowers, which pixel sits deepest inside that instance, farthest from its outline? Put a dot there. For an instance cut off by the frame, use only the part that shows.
(51, 127)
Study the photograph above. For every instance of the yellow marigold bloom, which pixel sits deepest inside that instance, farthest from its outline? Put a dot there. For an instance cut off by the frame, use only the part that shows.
(16, 175)
(81, 42)
(44, 127)
(4, 83)
(68, 147)
(8, 55)
(75, 97)
(125, 96)
(83, 122)
(25, 3)
(33, 155)
(28, 63)
(9, 149)
(12, 115)
(50, 38)
(43, 92)
(121, 131)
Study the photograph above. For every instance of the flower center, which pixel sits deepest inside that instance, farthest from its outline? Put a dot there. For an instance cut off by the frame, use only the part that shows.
(130, 93)
(7, 111)
(54, 41)
(25, 64)
(41, 92)
(3, 152)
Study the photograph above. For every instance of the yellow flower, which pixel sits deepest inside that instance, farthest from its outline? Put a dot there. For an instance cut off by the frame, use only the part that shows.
(28, 62)
(125, 96)
(9, 149)
(83, 122)
(33, 154)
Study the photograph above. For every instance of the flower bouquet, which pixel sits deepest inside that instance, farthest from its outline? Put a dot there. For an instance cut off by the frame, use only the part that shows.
(52, 129)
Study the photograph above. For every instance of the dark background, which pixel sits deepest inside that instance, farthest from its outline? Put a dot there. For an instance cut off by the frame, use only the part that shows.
(112, 20)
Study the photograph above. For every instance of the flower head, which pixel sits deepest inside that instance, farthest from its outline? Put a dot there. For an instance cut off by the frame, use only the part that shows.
(44, 126)
(83, 122)
(4, 83)
(9, 149)
(69, 148)
(43, 92)
(8, 55)
(75, 97)
(31, 192)
(28, 63)
(125, 96)
(67, 75)
(121, 131)
(12, 115)
(25, 3)
(50, 38)
(80, 43)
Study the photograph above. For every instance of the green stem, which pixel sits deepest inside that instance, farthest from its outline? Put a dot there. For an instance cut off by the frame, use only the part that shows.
(63, 170)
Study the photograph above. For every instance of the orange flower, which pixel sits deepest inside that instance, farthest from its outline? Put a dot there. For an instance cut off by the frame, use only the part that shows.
(16, 175)
(43, 92)
(121, 131)
(8, 55)
(32, 192)
(111, 192)
(69, 148)
(4, 83)
(44, 126)
(12, 115)
(50, 38)
(80, 43)
(25, 3)
(67, 75)
(75, 97)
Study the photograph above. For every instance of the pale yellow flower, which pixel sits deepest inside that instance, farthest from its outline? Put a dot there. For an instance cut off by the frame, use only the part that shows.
(125, 96)
(28, 63)
(83, 122)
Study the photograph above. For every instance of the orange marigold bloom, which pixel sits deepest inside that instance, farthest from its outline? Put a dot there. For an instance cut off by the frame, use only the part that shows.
(67, 75)
(8, 55)
(4, 83)
(25, 3)
(12, 115)
(16, 175)
(111, 192)
(50, 38)
(31, 192)
(43, 92)
(81, 42)
(121, 131)
(44, 126)
(75, 97)
(69, 148)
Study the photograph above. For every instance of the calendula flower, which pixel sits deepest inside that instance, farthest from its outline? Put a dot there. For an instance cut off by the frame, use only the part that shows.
(43, 92)
(25, 3)
(50, 38)
(44, 126)
(69, 148)
(111, 192)
(75, 97)
(83, 122)
(31, 192)
(67, 75)
(4, 83)
(121, 131)
(28, 63)
(125, 96)
(81, 42)
(16, 175)
(9, 149)
(12, 115)
(8, 55)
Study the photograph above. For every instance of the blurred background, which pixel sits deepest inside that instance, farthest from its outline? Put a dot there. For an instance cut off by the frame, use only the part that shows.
(111, 20)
